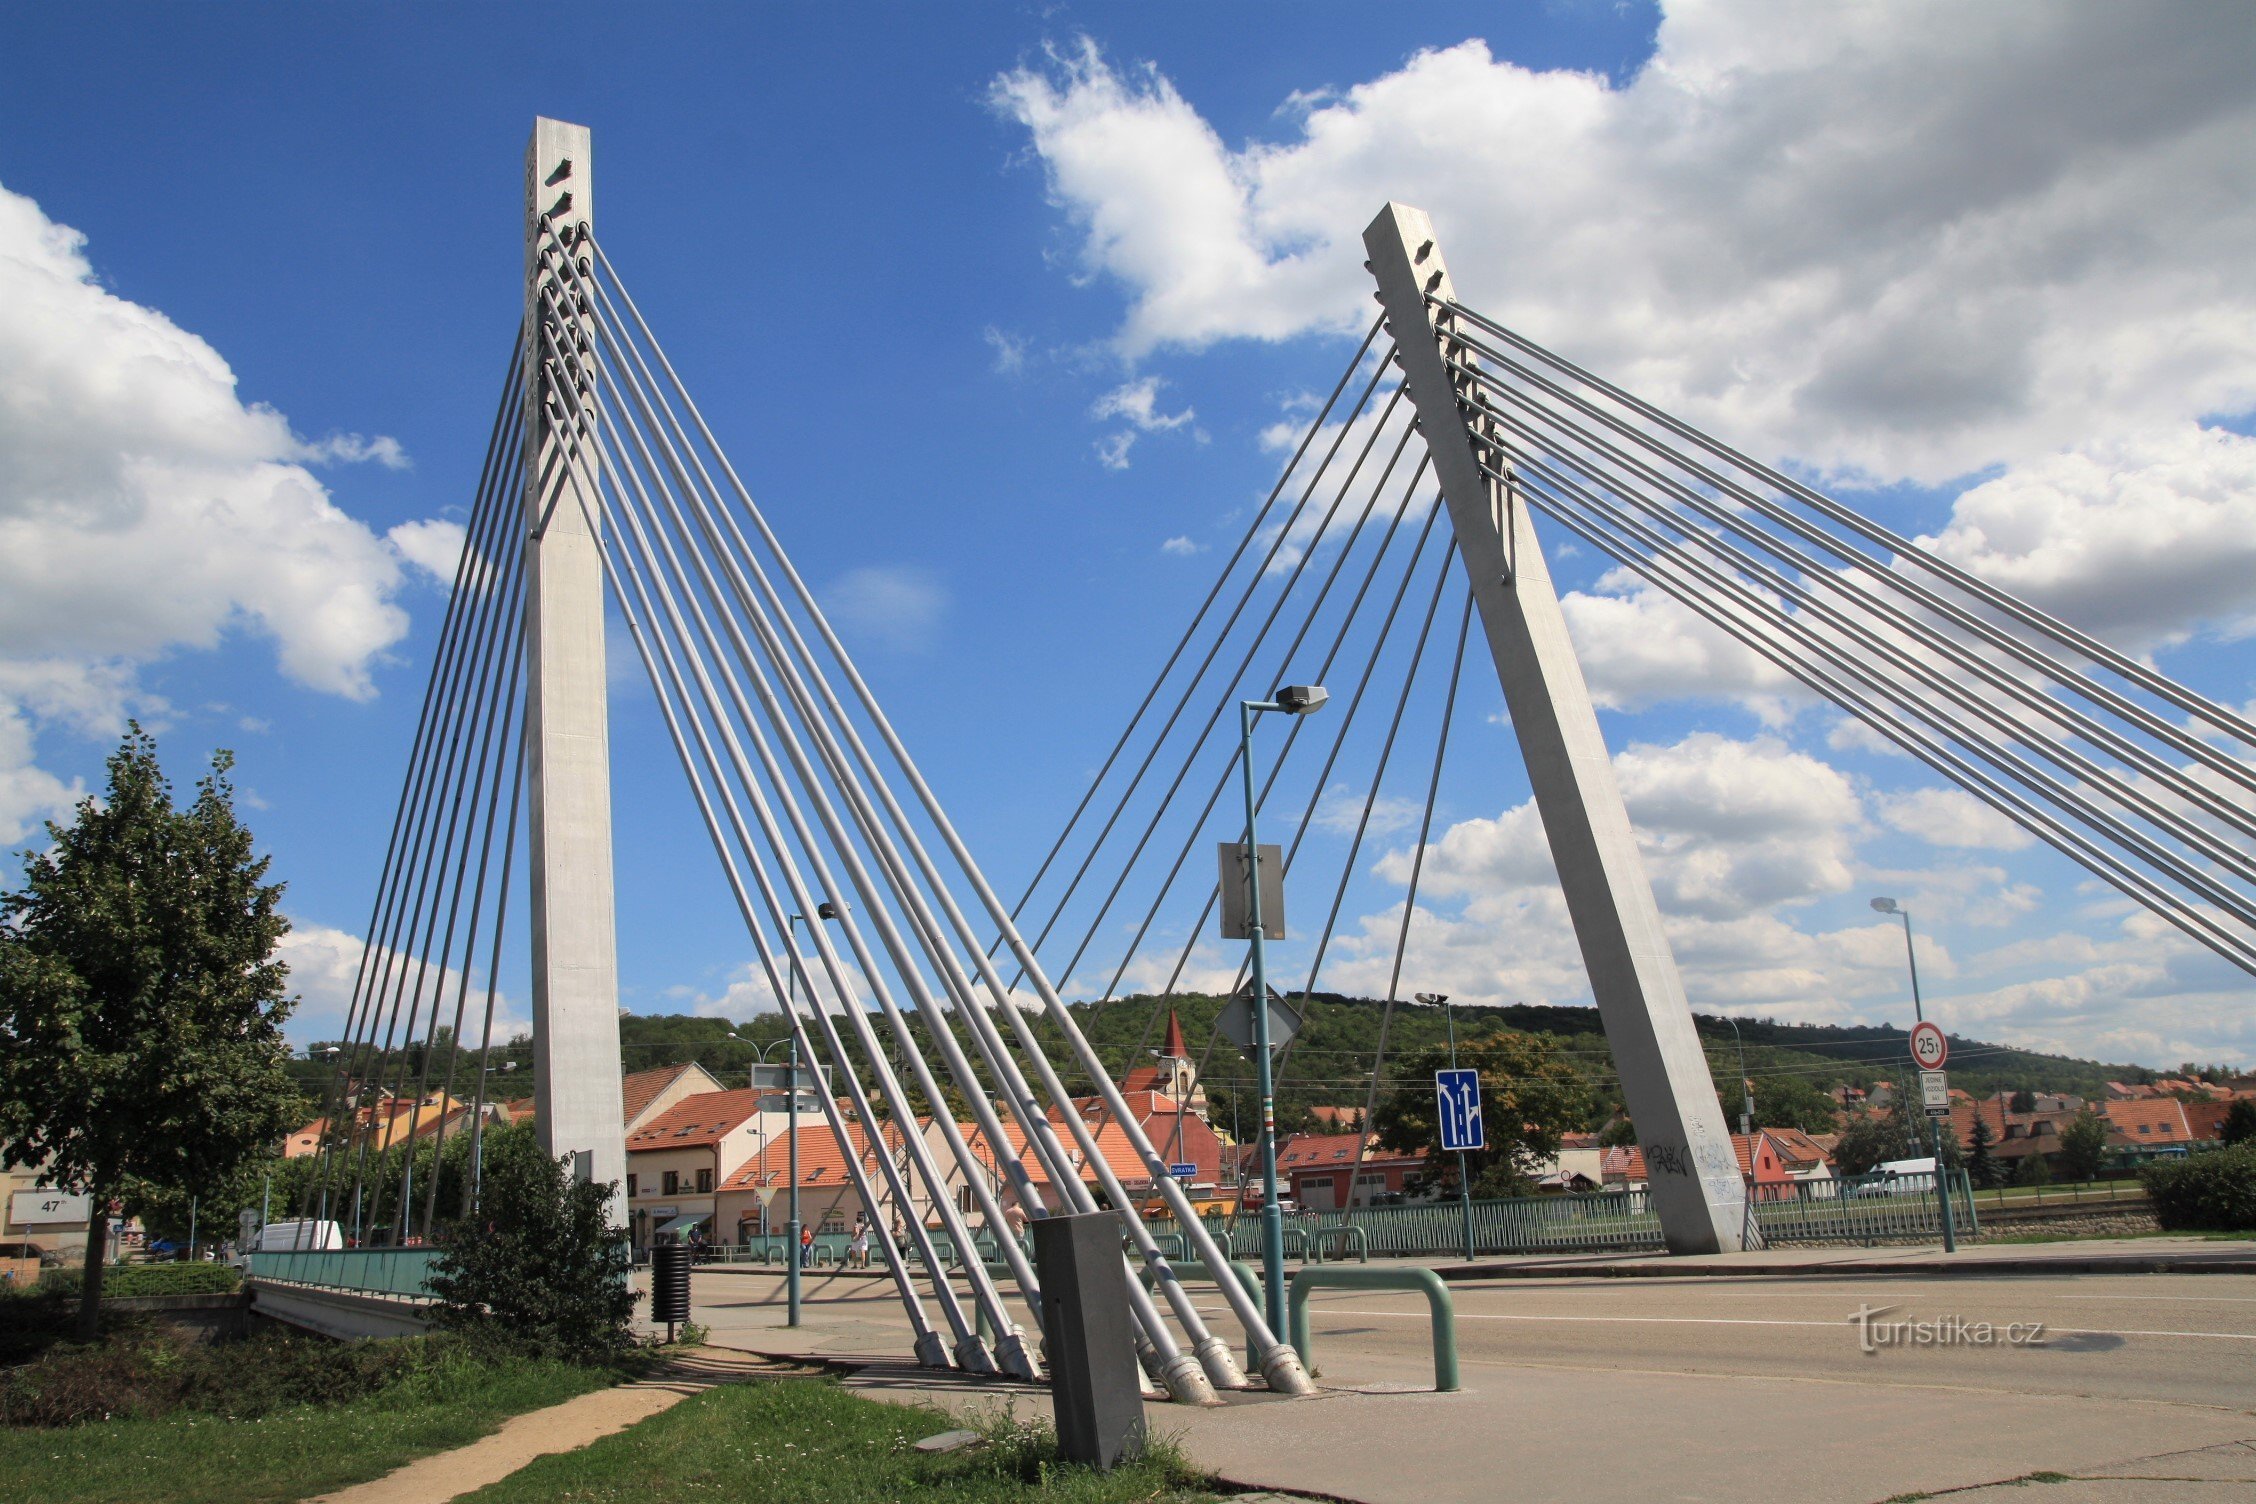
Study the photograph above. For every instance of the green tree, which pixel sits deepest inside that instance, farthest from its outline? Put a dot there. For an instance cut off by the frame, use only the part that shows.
(2024, 1100)
(140, 1002)
(539, 1268)
(1867, 1139)
(2240, 1121)
(2083, 1144)
(2035, 1169)
(1790, 1101)
(1621, 1133)
(1982, 1166)
(1530, 1095)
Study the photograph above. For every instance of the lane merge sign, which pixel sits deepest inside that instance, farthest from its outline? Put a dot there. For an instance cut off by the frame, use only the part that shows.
(1457, 1093)
(1929, 1049)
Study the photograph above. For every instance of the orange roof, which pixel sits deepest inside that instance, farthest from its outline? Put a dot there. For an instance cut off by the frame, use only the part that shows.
(1623, 1162)
(2160, 1119)
(641, 1088)
(822, 1159)
(1798, 1148)
(705, 1118)
(1314, 1151)
(2207, 1119)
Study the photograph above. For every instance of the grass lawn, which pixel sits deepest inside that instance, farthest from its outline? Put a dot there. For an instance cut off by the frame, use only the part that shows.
(807, 1441)
(187, 1458)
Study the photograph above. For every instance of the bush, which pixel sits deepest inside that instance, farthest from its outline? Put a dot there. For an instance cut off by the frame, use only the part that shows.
(540, 1271)
(151, 1279)
(2209, 1192)
(144, 1375)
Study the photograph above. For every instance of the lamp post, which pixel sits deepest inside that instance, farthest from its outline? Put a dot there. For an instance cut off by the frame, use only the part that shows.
(1464, 1175)
(1746, 1088)
(823, 910)
(1292, 699)
(1934, 1125)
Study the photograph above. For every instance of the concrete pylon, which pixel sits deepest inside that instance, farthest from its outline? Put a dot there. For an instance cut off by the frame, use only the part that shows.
(576, 1082)
(1690, 1167)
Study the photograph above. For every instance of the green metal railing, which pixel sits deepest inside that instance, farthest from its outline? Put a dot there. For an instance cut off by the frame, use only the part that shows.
(1438, 1304)
(374, 1271)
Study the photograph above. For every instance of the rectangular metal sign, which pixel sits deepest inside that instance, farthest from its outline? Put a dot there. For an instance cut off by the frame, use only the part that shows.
(47, 1208)
(1934, 1093)
(1230, 856)
(1183, 1172)
(1457, 1093)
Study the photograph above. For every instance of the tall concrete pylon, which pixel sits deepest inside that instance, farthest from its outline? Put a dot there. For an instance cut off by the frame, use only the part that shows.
(1690, 1167)
(576, 1079)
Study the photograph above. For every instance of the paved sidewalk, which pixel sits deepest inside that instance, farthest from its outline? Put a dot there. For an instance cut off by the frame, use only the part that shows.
(559, 1428)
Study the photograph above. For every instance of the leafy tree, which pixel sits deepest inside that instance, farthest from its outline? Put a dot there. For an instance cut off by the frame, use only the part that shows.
(1530, 1095)
(140, 1002)
(1982, 1166)
(1867, 1140)
(2240, 1121)
(1621, 1133)
(2035, 1169)
(2083, 1144)
(2024, 1100)
(1785, 1101)
(539, 1268)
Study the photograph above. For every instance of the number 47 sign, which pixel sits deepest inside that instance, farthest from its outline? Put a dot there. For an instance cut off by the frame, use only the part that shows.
(1457, 1094)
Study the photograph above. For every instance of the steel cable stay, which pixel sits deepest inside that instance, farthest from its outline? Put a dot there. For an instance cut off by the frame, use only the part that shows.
(1282, 1367)
(652, 579)
(1190, 689)
(973, 1086)
(464, 637)
(1364, 1129)
(2218, 716)
(1757, 610)
(1198, 745)
(1919, 744)
(676, 580)
(1818, 578)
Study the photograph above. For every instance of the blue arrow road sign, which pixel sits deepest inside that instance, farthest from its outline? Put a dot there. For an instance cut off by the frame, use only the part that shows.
(1458, 1093)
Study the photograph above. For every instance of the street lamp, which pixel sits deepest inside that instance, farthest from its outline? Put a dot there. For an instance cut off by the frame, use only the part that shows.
(1292, 699)
(478, 1130)
(1464, 1176)
(1934, 1125)
(1746, 1087)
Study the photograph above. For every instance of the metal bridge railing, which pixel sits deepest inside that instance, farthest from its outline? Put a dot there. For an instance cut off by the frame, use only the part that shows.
(371, 1271)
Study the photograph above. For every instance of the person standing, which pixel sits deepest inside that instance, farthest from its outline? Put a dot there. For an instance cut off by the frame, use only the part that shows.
(806, 1247)
(857, 1251)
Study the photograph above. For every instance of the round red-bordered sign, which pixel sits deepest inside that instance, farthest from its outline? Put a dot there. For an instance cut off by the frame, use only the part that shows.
(1928, 1046)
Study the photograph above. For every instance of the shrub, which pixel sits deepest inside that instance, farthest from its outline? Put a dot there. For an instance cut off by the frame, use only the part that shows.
(2212, 1192)
(151, 1374)
(540, 1270)
(152, 1279)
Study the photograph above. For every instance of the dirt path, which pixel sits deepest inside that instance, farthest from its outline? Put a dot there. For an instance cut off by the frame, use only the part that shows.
(559, 1428)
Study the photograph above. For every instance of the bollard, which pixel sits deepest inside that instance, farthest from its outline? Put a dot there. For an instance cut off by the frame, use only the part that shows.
(1443, 1309)
(1094, 1386)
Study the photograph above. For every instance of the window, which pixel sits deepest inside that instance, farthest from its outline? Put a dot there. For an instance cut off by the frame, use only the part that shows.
(2145, 1128)
(704, 1182)
(672, 1183)
(630, 1187)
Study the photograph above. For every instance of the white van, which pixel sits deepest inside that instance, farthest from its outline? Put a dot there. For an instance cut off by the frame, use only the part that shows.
(297, 1236)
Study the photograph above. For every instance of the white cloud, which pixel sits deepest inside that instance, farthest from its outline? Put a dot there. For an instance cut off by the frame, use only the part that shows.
(1112, 449)
(1639, 648)
(433, 546)
(1182, 547)
(1010, 350)
(897, 606)
(1138, 402)
(1947, 817)
(145, 508)
(1908, 240)
(325, 960)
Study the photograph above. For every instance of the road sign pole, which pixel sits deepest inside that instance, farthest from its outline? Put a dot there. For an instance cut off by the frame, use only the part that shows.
(1464, 1175)
(1272, 1219)
(1934, 1125)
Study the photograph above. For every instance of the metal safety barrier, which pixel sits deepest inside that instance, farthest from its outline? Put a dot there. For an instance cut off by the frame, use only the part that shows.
(1344, 1234)
(373, 1271)
(1438, 1303)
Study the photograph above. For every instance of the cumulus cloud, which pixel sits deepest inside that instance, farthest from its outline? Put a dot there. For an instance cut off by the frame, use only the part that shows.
(433, 546)
(325, 960)
(897, 606)
(1946, 817)
(1138, 402)
(1181, 547)
(1906, 240)
(146, 508)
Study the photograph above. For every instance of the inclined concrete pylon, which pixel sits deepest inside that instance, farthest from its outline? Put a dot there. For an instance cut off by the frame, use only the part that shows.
(1691, 1170)
(576, 1077)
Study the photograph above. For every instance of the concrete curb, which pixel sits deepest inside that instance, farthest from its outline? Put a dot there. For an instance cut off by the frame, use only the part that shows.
(1859, 1269)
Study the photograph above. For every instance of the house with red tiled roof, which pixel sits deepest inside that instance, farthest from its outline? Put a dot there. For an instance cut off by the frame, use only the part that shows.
(1623, 1167)
(678, 1157)
(1317, 1168)
(645, 1094)
(2149, 1128)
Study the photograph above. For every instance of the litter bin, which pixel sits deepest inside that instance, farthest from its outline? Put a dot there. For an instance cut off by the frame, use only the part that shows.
(669, 1285)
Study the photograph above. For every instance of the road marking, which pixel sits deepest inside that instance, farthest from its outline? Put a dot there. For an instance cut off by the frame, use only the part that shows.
(2050, 1330)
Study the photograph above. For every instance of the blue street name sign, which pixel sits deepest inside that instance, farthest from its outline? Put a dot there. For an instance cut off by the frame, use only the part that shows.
(1458, 1094)
(1183, 1172)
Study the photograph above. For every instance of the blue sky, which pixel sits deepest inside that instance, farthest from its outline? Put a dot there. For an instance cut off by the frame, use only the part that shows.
(904, 256)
